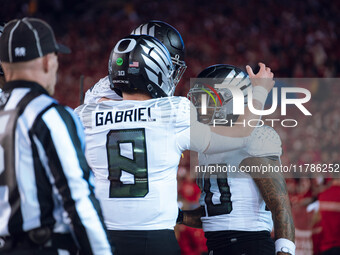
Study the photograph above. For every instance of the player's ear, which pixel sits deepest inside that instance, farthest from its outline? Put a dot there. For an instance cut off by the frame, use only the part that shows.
(48, 61)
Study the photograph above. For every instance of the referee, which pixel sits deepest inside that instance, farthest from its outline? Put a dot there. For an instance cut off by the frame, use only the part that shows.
(47, 205)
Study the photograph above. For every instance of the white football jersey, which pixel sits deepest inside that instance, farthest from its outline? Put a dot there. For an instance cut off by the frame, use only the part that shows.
(232, 201)
(134, 148)
(100, 89)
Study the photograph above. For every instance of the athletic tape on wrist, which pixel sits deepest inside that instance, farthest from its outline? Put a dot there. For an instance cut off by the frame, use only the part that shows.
(284, 245)
(260, 94)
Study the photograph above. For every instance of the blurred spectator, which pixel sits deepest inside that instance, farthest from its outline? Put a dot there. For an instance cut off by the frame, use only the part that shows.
(330, 219)
(300, 195)
(296, 39)
(190, 240)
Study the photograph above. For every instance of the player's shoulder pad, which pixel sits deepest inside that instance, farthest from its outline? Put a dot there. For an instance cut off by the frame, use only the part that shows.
(79, 109)
(177, 108)
(264, 141)
(179, 100)
(187, 109)
(176, 103)
(84, 113)
(185, 104)
(100, 89)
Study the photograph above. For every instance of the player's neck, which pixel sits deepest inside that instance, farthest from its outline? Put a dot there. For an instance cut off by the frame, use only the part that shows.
(136, 96)
(105, 99)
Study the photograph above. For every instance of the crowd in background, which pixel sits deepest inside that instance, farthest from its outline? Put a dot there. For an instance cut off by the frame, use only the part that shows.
(294, 38)
(297, 39)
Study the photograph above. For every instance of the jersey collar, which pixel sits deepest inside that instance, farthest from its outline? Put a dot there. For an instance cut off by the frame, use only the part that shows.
(9, 86)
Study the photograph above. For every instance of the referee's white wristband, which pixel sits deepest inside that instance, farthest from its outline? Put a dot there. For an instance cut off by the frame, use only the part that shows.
(284, 245)
(260, 94)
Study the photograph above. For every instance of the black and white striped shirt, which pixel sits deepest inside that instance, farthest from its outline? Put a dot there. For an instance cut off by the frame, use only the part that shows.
(44, 176)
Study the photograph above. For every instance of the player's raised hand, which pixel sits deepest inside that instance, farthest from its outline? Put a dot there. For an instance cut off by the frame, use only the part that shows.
(264, 77)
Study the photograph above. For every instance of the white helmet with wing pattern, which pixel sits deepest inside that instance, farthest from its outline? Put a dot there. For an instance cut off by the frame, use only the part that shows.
(218, 103)
(141, 63)
(172, 40)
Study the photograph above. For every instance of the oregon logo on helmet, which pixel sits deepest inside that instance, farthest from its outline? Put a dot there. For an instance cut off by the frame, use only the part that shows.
(145, 66)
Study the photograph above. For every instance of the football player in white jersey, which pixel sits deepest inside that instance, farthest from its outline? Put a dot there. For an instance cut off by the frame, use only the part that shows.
(238, 208)
(172, 40)
(134, 146)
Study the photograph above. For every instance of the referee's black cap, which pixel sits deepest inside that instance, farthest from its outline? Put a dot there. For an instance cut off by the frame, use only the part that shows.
(26, 39)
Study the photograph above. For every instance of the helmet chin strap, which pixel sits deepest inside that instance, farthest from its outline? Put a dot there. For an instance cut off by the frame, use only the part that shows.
(179, 71)
(152, 91)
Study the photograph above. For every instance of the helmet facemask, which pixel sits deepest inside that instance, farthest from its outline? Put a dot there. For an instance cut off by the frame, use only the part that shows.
(214, 111)
(180, 68)
(214, 102)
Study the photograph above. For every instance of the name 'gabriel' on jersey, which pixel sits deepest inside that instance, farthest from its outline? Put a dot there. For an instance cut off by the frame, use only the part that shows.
(134, 148)
(107, 117)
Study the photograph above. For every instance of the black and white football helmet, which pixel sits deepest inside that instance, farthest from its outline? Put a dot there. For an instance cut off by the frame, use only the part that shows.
(172, 40)
(141, 63)
(213, 84)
